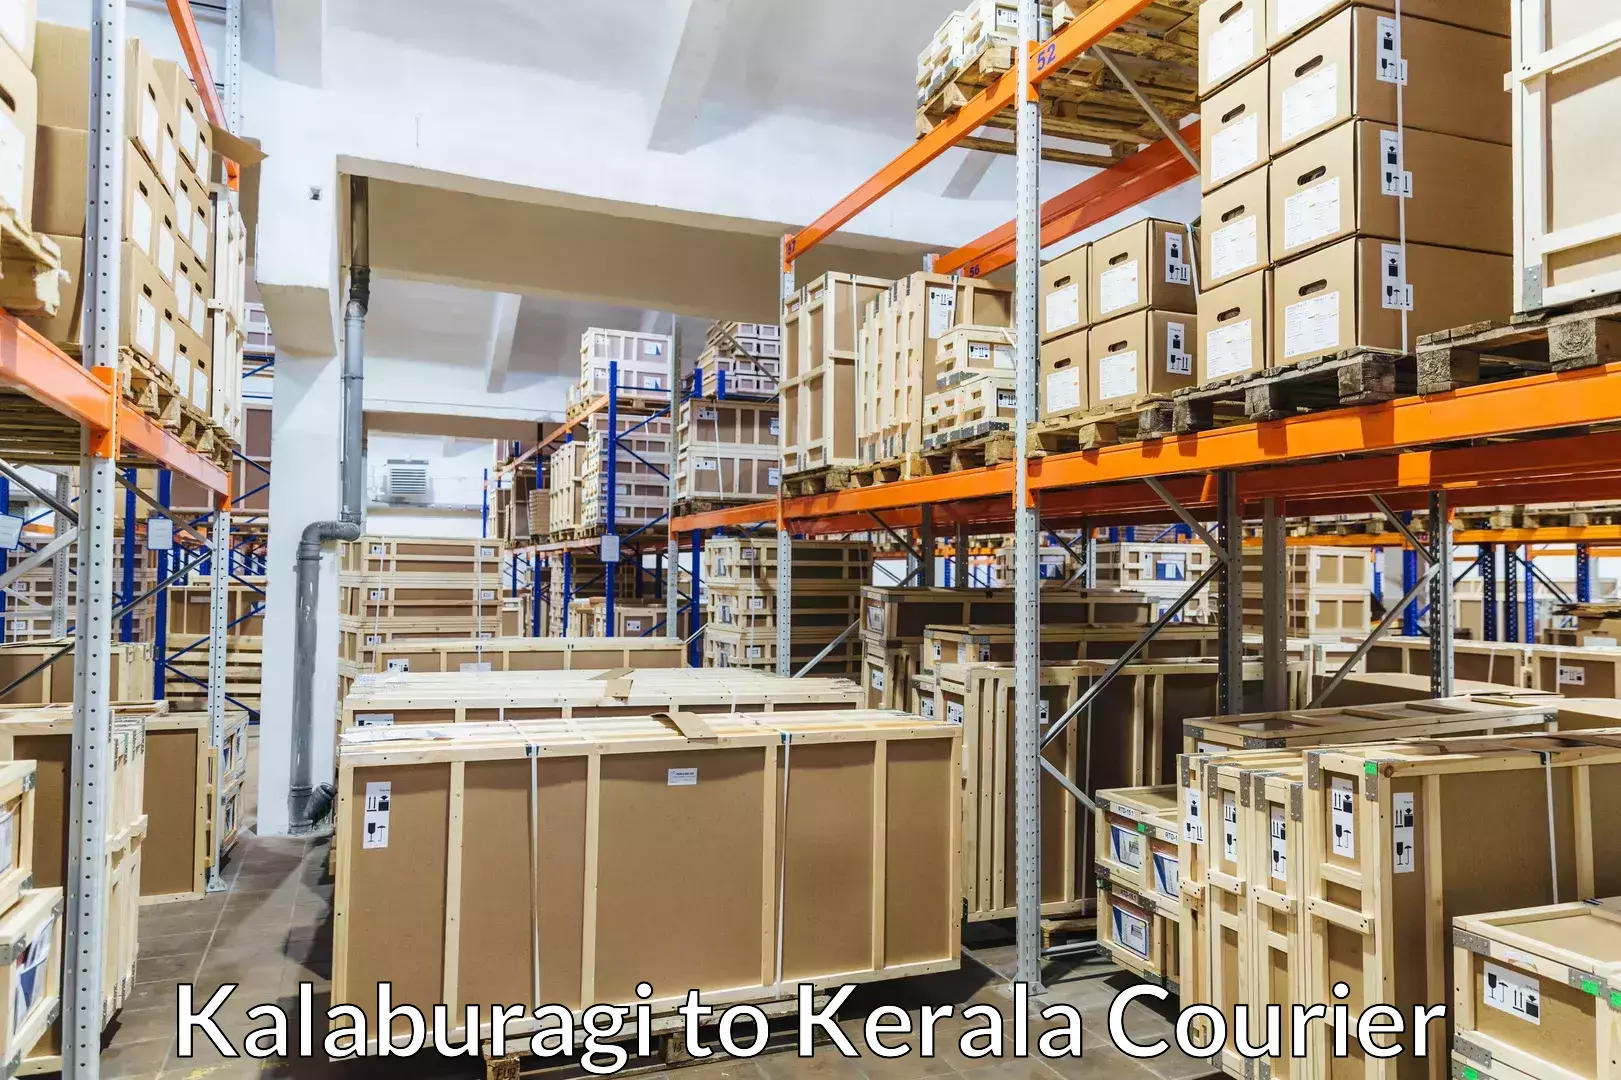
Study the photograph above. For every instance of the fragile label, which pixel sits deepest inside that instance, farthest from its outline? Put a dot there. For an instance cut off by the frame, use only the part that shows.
(877, 679)
(633, 626)
(1167, 873)
(926, 707)
(942, 311)
(954, 712)
(981, 350)
(1231, 46)
(1007, 399)
(1193, 820)
(1131, 932)
(1178, 361)
(682, 778)
(1572, 676)
(1391, 67)
(1401, 834)
(1044, 712)
(401, 663)
(1118, 287)
(1516, 994)
(1280, 845)
(1235, 147)
(375, 824)
(1394, 292)
(374, 719)
(1234, 248)
(1310, 102)
(1064, 390)
(1311, 214)
(1229, 826)
(706, 464)
(1178, 271)
(1342, 817)
(1117, 375)
(1229, 349)
(1312, 326)
(1393, 179)
(475, 668)
(1063, 308)
(1126, 846)
(707, 414)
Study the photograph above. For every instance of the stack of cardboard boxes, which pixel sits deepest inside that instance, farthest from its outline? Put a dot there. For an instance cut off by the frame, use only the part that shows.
(167, 216)
(1309, 184)
(1117, 320)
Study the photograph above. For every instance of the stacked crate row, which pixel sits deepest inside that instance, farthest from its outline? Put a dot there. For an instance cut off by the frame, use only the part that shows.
(643, 363)
(965, 35)
(740, 359)
(740, 603)
(29, 598)
(1328, 590)
(190, 607)
(727, 451)
(583, 570)
(1162, 571)
(821, 332)
(515, 492)
(1116, 321)
(1326, 225)
(577, 500)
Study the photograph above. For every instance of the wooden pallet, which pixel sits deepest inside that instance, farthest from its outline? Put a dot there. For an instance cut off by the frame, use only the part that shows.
(989, 442)
(32, 265)
(150, 388)
(876, 474)
(818, 481)
(1091, 429)
(1358, 376)
(1560, 339)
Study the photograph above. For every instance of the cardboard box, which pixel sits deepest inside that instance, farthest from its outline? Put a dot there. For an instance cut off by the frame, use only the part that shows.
(1347, 182)
(1236, 134)
(1339, 71)
(1065, 294)
(1288, 18)
(168, 239)
(1065, 385)
(1331, 300)
(191, 294)
(146, 297)
(61, 169)
(1235, 229)
(18, 118)
(1146, 265)
(1232, 39)
(1233, 338)
(194, 138)
(192, 214)
(17, 19)
(62, 56)
(192, 365)
(1142, 354)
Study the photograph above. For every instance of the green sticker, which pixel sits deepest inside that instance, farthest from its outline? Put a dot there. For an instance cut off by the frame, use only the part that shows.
(1470, 1073)
(1591, 986)
(1142, 826)
(1615, 999)
(1370, 767)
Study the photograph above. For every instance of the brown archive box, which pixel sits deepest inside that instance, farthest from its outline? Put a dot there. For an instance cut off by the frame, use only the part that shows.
(1064, 383)
(1344, 69)
(1130, 358)
(1234, 238)
(62, 59)
(1064, 294)
(1236, 132)
(194, 138)
(60, 172)
(191, 363)
(1233, 323)
(17, 19)
(1287, 18)
(1232, 39)
(1330, 300)
(1348, 180)
(145, 299)
(191, 216)
(1146, 265)
(191, 293)
(18, 119)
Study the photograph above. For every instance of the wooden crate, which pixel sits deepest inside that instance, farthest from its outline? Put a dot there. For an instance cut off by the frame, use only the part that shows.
(1138, 934)
(831, 565)
(422, 555)
(130, 672)
(190, 606)
(1138, 842)
(1384, 687)
(965, 351)
(539, 511)
(358, 638)
(1300, 728)
(974, 407)
(820, 332)
(1328, 589)
(182, 773)
(1501, 662)
(1538, 991)
(1330, 616)
(731, 648)
(727, 474)
(754, 608)
(17, 781)
(889, 676)
(244, 672)
(874, 809)
(455, 698)
(529, 654)
(1593, 671)
(1059, 644)
(1133, 565)
(31, 940)
(895, 615)
(643, 359)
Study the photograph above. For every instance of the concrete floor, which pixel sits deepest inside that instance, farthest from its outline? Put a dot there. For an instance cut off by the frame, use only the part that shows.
(272, 930)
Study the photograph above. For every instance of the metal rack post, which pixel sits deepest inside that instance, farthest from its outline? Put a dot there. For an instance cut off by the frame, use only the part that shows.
(1027, 522)
(126, 624)
(160, 602)
(672, 548)
(925, 547)
(1230, 598)
(608, 549)
(218, 646)
(568, 587)
(1274, 610)
(963, 558)
(1488, 591)
(785, 607)
(1584, 575)
(1441, 655)
(1511, 597)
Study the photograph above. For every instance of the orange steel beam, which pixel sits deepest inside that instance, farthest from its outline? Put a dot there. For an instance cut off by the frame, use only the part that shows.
(563, 429)
(185, 27)
(36, 367)
(1145, 174)
(1092, 26)
(136, 430)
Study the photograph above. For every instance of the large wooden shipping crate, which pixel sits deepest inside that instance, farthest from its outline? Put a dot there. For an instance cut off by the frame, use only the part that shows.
(130, 672)
(530, 654)
(820, 335)
(1138, 864)
(182, 773)
(1590, 671)
(1301, 728)
(31, 988)
(728, 451)
(898, 615)
(1329, 592)
(1504, 662)
(836, 835)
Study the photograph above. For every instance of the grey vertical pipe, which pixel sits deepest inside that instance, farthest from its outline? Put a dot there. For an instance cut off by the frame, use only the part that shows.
(302, 809)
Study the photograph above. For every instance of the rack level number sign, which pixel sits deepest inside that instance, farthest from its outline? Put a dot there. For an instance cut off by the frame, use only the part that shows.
(375, 823)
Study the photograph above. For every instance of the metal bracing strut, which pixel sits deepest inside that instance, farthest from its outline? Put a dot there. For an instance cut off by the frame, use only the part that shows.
(1441, 639)
(1274, 610)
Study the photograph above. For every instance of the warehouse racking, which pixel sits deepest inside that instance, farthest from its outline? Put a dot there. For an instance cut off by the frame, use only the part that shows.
(73, 412)
(1426, 454)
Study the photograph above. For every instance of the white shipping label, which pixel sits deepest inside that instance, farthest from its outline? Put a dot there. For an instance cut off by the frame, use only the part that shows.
(652, 348)
(166, 251)
(1044, 712)
(1007, 399)
(1178, 360)
(707, 414)
(633, 626)
(1193, 820)
(1235, 147)
(182, 212)
(1003, 356)
(1310, 102)
(486, 553)
(1393, 179)
(1230, 349)
(8, 837)
(1311, 214)
(1064, 307)
(1177, 269)
(1590, 639)
(1342, 817)
(1394, 292)
(486, 594)
(962, 652)
(1064, 389)
(140, 223)
(1118, 287)
(182, 297)
(1516, 994)
(475, 668)
(1387, 44)
(1126, 846)
(1235, 248)
(1293, 13)
(682, 778)
(379, 594)
(981, 350)
(168, 160)
(146, 326)
(706, 464)
(942, 311)
(1167, 873)
(1280, 845)
(374, 719)
(401, 663)
(1231, 46)
(773, 476)
(1117, 375)
(199, 314)
(151, 124)
(14, 177)
(375, 834)
(953, 712)
(1229, 826)
(166, 345)
(1572, 676)
(1312, 326)
(188, 134)
(878, 679)
(755, 652)
(926, 707)
(1131, 932)
(1401, 832)
(776, 427)
(756, 603)
(14, 24)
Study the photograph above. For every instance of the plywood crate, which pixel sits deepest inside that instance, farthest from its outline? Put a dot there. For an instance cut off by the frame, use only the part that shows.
(639, 475)
(539, 512)
(625, 799)
(820, 333)
(31, 945)
(896, 615)
(754, 608)
(1323, 615)
(357, 638)
(1502, 662)
(530, 654)
(979, 405)
(729, 648)
(1059, 644)
(190, 605)
(966, 351)
(1594, 671)
(1137, 842)
(1328, 590)
(563, 491)
(244, 671)
(1134, 565)
(1388, 686)
(834, 565)
(723, 373)
(418, 596)
(1299, 728)
(727, 451)
(182, 773)
(1538, 991)
(889, 677)
(1138, 934)
(130, 672)
(17, 784)
(643, 361)
(421, 555)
